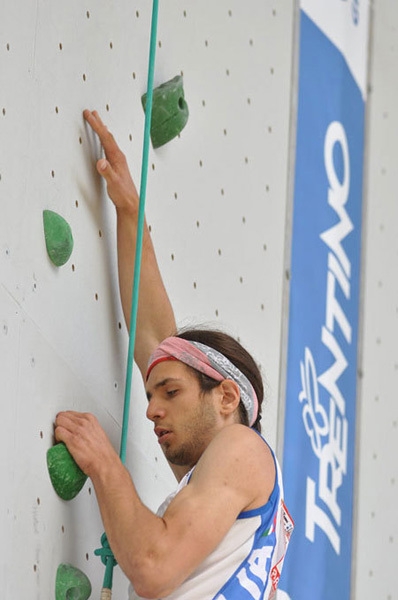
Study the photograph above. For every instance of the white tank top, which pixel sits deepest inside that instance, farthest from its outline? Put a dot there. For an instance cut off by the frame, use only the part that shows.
(247, 563)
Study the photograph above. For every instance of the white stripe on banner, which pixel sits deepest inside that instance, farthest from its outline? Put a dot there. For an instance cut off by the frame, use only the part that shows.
(346, 24)
(320, 414)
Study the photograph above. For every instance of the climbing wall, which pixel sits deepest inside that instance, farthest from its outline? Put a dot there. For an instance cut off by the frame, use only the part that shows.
(377, 491)
(216, 204)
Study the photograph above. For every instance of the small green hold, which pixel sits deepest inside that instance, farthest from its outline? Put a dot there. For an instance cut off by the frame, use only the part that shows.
(58, 236)
(169, 111)
(65, 474)
(71, 583)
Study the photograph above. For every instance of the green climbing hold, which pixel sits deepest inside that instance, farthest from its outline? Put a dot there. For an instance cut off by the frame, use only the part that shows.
(169, 111)
(71, 583)
(58, 236)
(66, 476)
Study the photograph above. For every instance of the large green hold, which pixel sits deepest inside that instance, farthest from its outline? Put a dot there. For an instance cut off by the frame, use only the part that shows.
(66, 476)
(71, 583)
(169, 111)
(58, 236)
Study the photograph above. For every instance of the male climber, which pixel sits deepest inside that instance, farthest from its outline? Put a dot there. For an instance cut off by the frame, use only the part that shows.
(224, 532)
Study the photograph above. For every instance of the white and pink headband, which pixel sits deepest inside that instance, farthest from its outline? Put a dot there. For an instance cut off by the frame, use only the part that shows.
(210, 362)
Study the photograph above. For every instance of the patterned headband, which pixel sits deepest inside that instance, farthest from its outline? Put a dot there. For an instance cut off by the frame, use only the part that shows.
(210, 362)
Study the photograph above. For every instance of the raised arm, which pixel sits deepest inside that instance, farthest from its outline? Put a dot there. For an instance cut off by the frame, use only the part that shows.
(155, 319)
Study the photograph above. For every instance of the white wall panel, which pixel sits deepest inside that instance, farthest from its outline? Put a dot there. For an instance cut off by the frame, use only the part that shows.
(377, 497)
(216, 205)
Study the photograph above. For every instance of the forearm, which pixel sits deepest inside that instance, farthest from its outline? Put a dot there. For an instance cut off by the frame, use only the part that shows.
(155, 315)
(134, 533)
(139, 539)
(155, 319)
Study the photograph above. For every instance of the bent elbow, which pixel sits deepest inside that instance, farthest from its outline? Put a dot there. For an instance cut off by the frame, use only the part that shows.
(149, 581)
(151, 590)
(144, 592)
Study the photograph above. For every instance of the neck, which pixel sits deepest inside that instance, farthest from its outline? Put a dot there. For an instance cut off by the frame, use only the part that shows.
(180, 471)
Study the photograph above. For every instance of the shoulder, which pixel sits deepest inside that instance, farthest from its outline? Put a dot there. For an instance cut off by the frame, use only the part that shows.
(240, 441)
(238, 457)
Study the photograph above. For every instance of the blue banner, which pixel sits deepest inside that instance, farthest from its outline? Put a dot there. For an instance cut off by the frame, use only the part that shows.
(320, 417)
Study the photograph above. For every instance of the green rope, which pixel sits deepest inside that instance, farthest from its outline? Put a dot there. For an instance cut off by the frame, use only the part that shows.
(107, 558)
(106, 552)
(140, 231)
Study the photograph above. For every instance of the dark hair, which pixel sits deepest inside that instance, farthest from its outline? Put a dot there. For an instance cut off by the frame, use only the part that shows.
(236, 353)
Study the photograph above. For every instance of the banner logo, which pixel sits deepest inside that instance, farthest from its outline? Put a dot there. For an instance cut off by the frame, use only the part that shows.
(321, 377)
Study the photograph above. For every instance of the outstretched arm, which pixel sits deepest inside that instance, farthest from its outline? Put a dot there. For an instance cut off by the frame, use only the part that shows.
(155, 319)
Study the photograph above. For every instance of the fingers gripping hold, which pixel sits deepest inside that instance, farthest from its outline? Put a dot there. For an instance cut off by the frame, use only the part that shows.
(85, 440)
